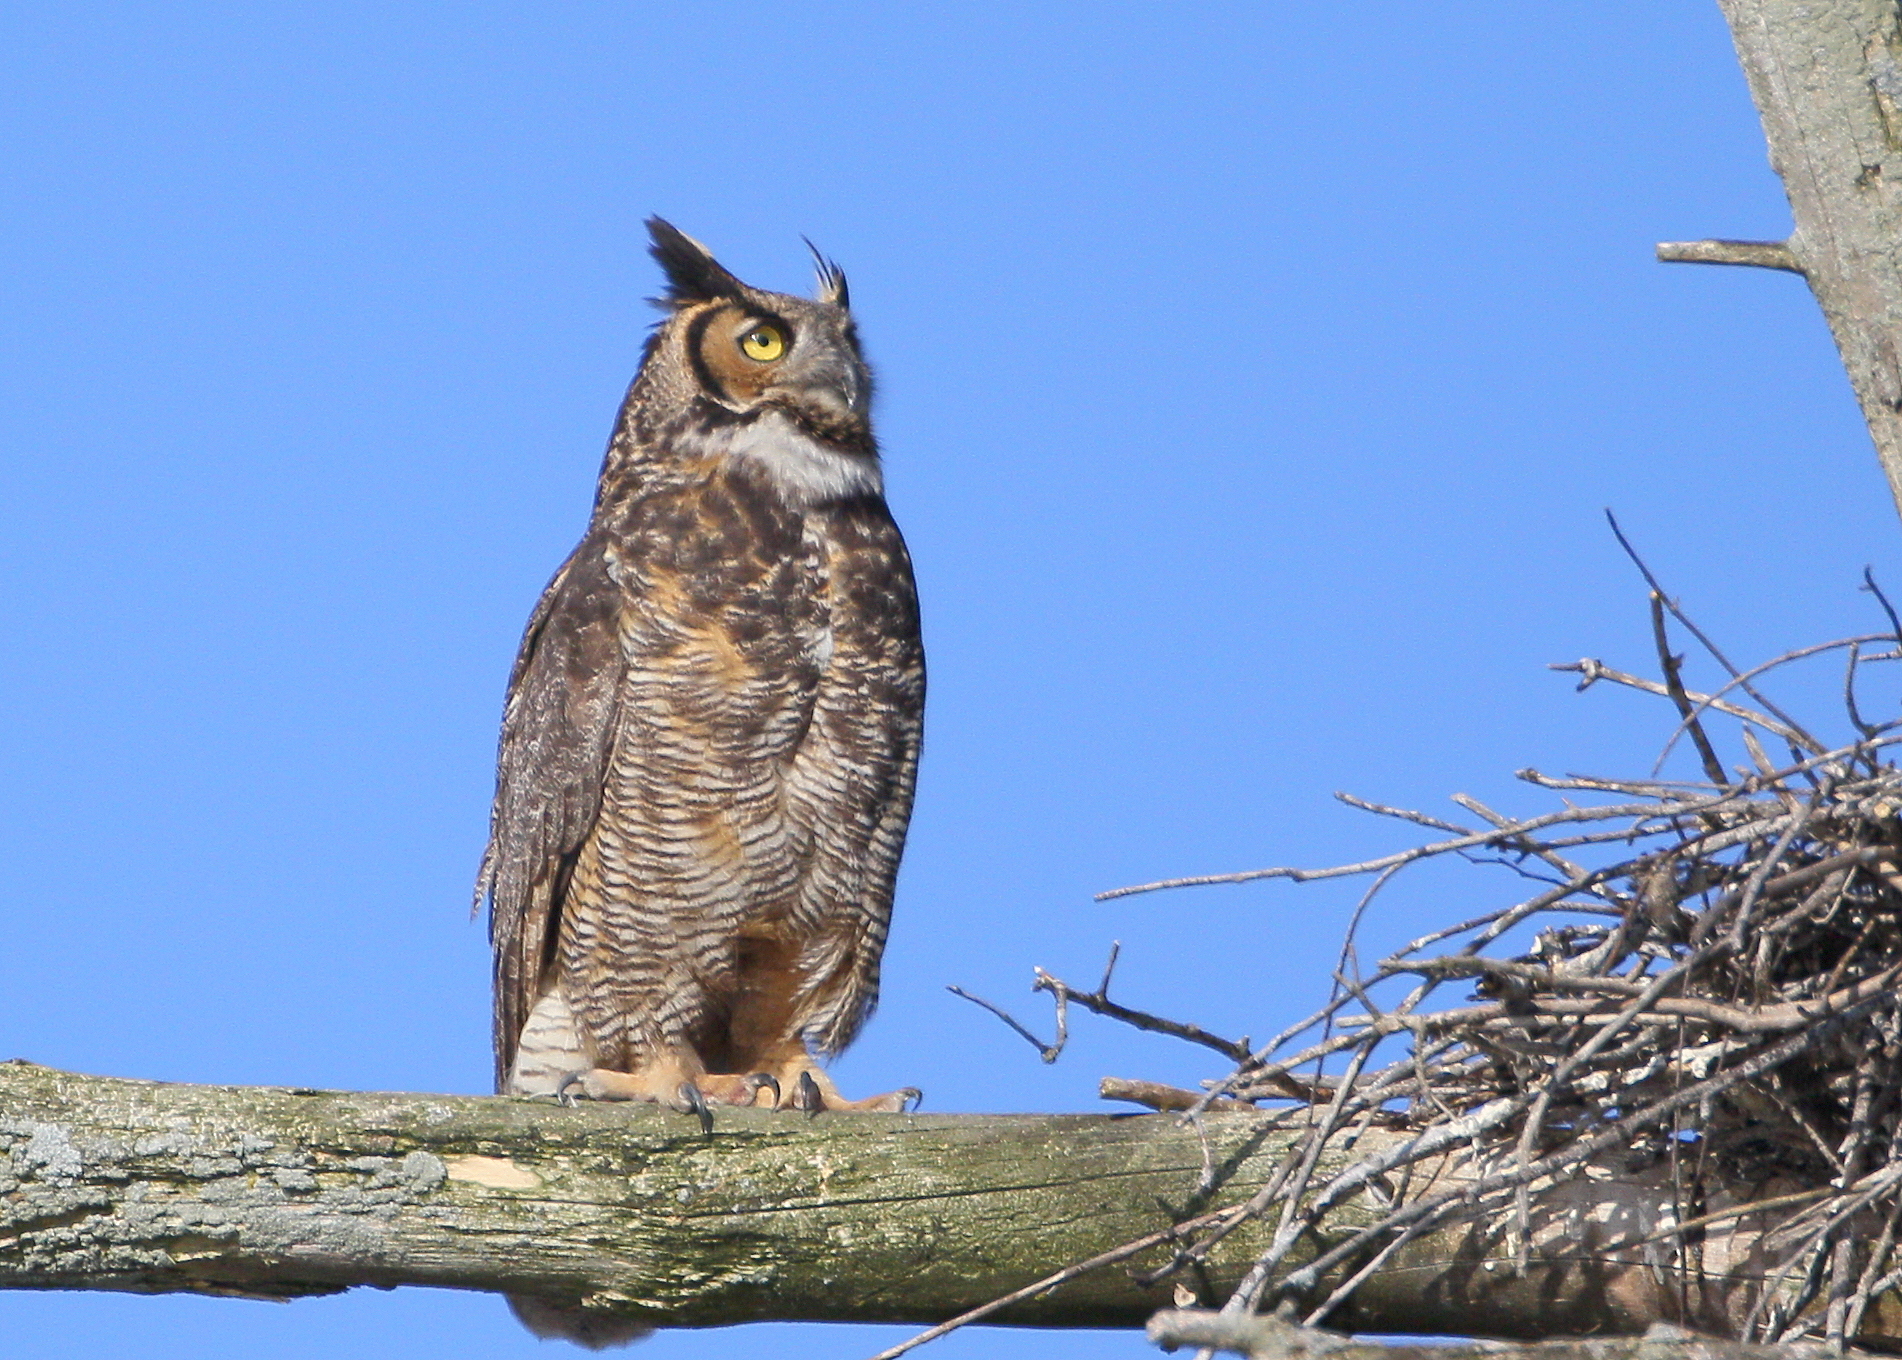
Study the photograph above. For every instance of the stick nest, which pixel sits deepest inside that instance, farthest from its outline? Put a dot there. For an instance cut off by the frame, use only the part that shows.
(1702, 973)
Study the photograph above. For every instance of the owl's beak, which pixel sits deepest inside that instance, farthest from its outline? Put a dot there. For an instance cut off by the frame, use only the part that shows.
(842, 392)
(853, 391)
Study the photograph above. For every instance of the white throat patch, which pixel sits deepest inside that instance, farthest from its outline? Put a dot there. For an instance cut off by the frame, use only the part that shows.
(804, 472)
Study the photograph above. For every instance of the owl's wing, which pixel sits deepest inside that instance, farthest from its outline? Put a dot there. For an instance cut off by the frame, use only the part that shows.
(557, 731)
(856, 770)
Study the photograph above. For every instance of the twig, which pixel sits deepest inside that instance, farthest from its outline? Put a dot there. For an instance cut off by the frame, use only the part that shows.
(1674, 684)
(1048, 1052)
(1735, 1211)
(1155, 1024)
(1592, 671)
(1739, 681)
(1849, 693)
(1053, 1281)
(1803, 738)
(1169, 1099)
(1568, 816)
(1895, 624)
(1403, 814)
(1762, 254)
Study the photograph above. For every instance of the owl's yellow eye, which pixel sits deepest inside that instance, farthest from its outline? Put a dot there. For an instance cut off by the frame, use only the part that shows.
(764, 343)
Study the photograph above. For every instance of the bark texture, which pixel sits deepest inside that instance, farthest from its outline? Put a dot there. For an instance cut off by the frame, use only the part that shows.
(112, 1184)
(1267, 1338)
(144, 1186)
(1826, 76)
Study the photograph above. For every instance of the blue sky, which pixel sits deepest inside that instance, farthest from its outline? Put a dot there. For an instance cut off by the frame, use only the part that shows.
(1253, 379)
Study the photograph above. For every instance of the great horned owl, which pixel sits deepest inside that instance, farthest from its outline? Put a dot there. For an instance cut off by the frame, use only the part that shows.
(711, 733)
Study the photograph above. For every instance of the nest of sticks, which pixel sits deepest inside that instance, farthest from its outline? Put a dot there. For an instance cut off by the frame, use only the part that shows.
(1705, 972)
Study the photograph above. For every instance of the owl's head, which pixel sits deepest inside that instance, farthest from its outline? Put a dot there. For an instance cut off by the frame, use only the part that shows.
(753, 352)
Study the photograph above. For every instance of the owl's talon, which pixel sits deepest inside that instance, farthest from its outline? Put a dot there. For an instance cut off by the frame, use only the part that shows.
(807, 1096)
(562, 1089)
(762, 1081)
(692, 1102)
(910, 1099)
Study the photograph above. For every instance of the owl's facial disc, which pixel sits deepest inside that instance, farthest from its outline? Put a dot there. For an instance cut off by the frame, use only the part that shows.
(759, 358)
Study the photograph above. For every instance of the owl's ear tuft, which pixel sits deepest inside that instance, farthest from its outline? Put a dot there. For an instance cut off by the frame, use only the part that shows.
(832, 286)
(693, 275)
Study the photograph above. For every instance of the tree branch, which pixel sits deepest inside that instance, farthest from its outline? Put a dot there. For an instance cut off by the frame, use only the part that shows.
(1827, 80)
(262, 1191)
(1267, 1338)
(1761, 254)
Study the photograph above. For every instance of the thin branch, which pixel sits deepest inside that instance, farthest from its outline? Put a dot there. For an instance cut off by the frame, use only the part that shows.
(1759, 254)
(1590, 671)
(1474, 840)
(1565, 866)
(1895, 623)
(1740, 679)
(1703, 639)
(1849, 693)
(1099, 1003)
(1052, 1281)
(1674, 685)
(1169, 1099)
(1736, 1211)
(1402, 814)
(1048, 1052)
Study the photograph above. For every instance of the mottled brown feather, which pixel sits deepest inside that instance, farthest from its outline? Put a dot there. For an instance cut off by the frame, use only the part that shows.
(556, 727)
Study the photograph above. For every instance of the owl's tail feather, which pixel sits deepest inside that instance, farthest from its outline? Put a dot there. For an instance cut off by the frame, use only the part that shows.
(568, 1322)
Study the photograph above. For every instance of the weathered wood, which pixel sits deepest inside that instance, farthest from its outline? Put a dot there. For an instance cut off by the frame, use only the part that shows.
(1267, 1338)
(112, 1184)
(127, 1185)
(1826, 76)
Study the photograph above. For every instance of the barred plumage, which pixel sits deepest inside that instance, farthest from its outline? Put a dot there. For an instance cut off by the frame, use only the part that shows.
(711, 732)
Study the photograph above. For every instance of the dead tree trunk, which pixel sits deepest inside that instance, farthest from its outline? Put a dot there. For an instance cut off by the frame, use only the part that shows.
(1826, 76)
(149, 1187)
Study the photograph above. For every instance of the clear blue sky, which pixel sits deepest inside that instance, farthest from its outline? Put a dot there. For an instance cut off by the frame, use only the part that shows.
(1253, 378)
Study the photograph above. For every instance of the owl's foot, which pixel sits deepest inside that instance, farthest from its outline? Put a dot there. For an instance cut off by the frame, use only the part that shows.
(729, 1088)
(797, 1086)
(664, 1086)
(654, 1086)
(902, 1101)
(600, 1083)
(813, 1091)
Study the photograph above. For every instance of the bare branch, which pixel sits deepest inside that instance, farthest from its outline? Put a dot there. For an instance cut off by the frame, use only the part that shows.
(1803, 739)
(1164, 1099)
(1048, 1052)
(1267, 1338)
(1895, 623)
(1760, 254)
(1099, 1002)
(1591, 671)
